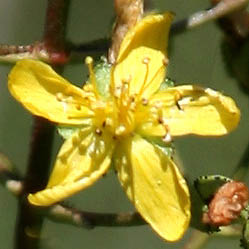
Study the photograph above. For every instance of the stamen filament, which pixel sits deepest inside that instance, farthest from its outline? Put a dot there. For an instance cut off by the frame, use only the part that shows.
(89, 63)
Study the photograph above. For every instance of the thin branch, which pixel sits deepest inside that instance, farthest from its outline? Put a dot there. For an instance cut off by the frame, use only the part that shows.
(9, 177)
(54, 32)
(29, 221)
(36, 179)
(76, 52)
(14, 53)
(128, 13)
(72, 216)
(223, 8)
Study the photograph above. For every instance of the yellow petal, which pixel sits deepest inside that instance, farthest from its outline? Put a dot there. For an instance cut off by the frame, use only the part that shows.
(82, 160)
(193, 110)
(45, 93)
(142, 57)
(155, 186)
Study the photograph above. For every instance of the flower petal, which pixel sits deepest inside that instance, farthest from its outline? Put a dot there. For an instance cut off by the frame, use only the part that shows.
(194, 110)
(142, 57)
(82, 160)
(45, 93)
(155, 186)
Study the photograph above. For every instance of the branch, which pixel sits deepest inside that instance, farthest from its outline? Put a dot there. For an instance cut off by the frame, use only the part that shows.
(72, 216)
(42, 134)
(9, 177)
(61, 54)
(223, 8)
(128, 13)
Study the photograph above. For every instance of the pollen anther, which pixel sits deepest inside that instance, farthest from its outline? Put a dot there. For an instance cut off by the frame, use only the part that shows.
(146, 60)
(59, 96)
(165, 61)
(145, 101)
(98, 132)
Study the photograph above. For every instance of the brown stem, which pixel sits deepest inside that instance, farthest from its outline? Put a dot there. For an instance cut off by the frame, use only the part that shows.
(68, 215)
(54, 32)
(29, 220)
(9, 177)
(14, 49)
(128, 13)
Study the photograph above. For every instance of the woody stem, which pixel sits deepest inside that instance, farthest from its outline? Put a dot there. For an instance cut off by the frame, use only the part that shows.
(29, 221)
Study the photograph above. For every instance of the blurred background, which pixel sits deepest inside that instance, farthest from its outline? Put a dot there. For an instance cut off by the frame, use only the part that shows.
(195, 57)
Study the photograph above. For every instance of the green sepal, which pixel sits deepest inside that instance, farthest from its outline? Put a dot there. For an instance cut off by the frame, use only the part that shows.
(166, 148)
(66, 132)
(206, 186)
(102, 71)
(166, 84)
(245, 234)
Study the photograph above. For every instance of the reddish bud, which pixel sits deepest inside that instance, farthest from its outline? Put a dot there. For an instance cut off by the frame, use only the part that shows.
(227, 203)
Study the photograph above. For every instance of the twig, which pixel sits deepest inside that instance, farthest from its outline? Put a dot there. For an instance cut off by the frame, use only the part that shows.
(9, 177)
(14, 53)
(29, 221)
(68, 215)
(223, 8)
(128, 13)
(45, 52)
(36, 179)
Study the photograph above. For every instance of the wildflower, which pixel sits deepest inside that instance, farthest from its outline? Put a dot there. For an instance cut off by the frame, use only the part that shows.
(127, 123)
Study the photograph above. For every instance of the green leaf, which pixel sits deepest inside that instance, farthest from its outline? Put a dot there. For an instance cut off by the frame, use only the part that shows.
(206, 186)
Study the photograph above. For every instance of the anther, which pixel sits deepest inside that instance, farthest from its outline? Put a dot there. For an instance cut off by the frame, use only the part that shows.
(104, 124)
(78, 107)
(132, 98)
(178, 106)
(146, 60)
(59, 96)
(167, 138)
(160, 120)
(89, 60)
(145, 101)
(117, 92)
(165, 61)
(178, 97)
(98, 132)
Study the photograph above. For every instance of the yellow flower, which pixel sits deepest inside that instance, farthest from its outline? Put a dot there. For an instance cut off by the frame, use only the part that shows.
(127, 125)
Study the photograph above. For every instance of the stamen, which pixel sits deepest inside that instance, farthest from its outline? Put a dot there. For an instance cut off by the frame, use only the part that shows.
(98, 132)
(89, 63)
(167, 138)
(145, 61)
(145, 101)
(178, 97)
(59, 96)
(165, 61)
(78, 107)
